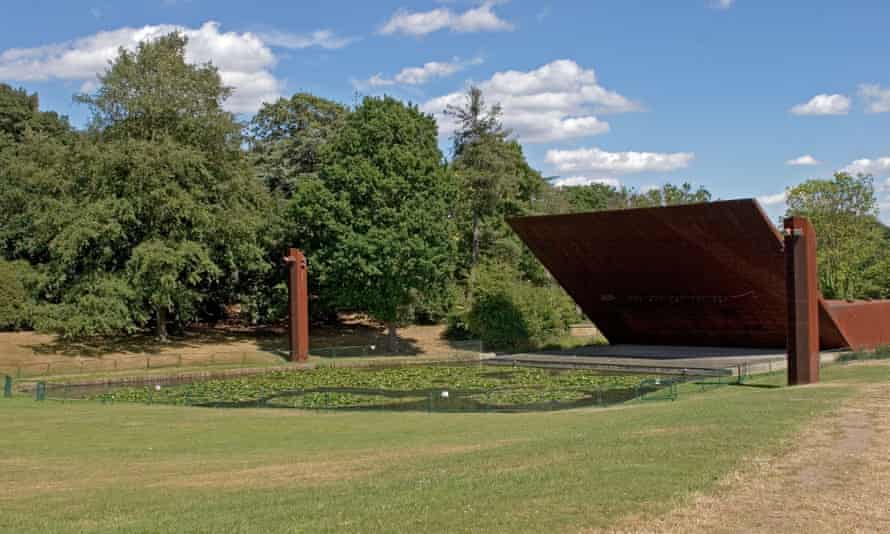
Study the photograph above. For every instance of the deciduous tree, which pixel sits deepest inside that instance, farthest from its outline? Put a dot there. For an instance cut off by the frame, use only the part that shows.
(378, 222)
(852, 245)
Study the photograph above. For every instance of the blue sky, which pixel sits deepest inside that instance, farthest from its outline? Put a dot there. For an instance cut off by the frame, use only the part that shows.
(721, 93)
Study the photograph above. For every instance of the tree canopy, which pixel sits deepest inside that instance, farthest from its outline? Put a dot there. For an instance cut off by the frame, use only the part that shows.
(378, 221)
(852, 245)
(151, 212)
(287, 138)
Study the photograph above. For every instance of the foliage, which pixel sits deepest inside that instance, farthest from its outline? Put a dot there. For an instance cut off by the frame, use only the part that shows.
(15, 301)
(377, 223)
(591, 197)
(510, 314)
(21, 119)
(852, 245)
(152, 212)
(879, 353)
(288, 137)
(495, 182)
(96, 305)
(597, 196)
(349, 387)
(666, 195)
(475, 121)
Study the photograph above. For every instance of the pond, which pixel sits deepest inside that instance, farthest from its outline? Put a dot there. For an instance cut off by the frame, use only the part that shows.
(451, 388)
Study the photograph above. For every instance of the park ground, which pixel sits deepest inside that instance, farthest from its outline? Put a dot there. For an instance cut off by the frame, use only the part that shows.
(355, 340)
(738, 458)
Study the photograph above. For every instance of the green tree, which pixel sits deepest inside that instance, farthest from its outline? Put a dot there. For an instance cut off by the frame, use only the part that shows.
(287, 138)
(666, 195)
(15, 300)
(510, 313)
(377, 224)
(159, 211)
(852, 245)
(494, 181)
(591, 197)
(21, 118)
(597, 196)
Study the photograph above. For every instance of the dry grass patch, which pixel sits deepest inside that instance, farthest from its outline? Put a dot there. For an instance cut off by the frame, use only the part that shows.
(833, 477)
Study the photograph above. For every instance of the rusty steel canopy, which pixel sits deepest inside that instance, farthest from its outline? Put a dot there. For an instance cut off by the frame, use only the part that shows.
(698, 274)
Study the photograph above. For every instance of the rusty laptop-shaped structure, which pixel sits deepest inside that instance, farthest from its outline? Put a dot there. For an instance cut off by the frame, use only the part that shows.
(713, 274)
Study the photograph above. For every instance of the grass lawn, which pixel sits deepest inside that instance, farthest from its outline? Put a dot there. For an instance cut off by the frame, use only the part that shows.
(83, 466)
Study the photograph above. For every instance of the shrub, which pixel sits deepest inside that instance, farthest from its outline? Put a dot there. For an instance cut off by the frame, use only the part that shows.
(510, 314)
(15, 303)
(99, 306)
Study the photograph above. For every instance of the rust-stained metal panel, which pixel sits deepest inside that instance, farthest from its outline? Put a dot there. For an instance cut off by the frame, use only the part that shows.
(865, 324)
(802, 290)
(698, 274)
(298, 305)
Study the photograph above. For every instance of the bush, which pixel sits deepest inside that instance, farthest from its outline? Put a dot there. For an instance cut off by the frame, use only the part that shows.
(510, 314)
(15, 302)
(100, 306)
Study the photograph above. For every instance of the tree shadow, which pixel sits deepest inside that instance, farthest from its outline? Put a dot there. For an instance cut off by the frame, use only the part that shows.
(760, 386)
(143, 343)
(348, 336)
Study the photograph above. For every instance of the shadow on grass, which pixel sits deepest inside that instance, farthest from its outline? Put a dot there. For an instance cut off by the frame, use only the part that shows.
(359, 337)
(758, 386)
(194, 338)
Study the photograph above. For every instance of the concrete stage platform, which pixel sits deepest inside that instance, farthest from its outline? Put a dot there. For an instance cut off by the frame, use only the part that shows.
(659, 359)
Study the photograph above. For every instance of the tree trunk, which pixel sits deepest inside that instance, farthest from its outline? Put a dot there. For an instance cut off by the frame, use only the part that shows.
(476, 239)
(162, 324)
(392, 339)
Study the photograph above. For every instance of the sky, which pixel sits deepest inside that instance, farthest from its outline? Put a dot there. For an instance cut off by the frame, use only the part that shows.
(744, 97)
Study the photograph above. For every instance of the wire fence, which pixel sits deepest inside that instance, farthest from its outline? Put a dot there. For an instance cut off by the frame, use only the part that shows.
(401, 349)
(92, 365)
(442, 399)
(142, 362)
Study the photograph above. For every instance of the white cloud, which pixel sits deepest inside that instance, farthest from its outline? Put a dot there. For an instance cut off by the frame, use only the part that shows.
(244, 60)
(599, 161)
(824, 105)
(722, 4)
(478, 19)
(572, 181)
(773, 200)
(423, 74)
(876, 167)
(877, 99)
(804, 160)
(320, 38)
(554, 102)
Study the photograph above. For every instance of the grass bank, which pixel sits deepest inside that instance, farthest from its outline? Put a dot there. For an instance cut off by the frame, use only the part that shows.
(87, 467)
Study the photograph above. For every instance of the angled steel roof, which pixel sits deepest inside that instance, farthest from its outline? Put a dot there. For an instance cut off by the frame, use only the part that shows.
(698, 274)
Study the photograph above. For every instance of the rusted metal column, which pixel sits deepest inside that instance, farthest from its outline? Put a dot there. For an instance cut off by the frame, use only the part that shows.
(298, 305)
(801, 283)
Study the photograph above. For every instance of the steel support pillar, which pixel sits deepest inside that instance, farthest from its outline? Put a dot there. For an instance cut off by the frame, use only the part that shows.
(298, 305)
(801, 284)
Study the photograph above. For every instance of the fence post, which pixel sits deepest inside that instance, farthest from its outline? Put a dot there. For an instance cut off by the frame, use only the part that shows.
(7, 386)
(40, 392)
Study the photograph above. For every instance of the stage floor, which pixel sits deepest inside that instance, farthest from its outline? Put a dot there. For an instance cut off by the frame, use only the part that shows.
(658, 359)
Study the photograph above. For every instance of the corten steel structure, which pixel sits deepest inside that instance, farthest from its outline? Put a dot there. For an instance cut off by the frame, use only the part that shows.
(298, 305)
(802, 287)
(709, 274)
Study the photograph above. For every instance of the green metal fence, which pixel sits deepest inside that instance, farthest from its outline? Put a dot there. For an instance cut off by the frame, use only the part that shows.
(445, 398)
